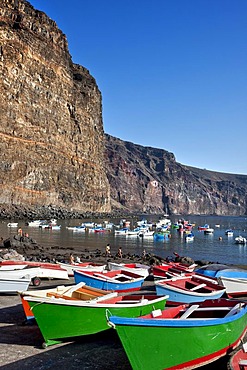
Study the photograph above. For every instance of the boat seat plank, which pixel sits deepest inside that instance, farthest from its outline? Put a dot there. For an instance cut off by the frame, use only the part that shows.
(242, 364)
(189, 311)
(198, 287)
(234, 310)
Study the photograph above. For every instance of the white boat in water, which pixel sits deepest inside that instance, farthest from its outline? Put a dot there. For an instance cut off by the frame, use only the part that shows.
(209, 231)
(240, 240)
(12, 224)
(229, 232)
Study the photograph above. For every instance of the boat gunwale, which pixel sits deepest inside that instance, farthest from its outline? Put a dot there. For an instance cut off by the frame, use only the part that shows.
(95, 303)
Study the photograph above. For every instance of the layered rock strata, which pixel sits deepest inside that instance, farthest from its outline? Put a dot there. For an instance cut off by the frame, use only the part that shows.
(51, 134)
(146, 179)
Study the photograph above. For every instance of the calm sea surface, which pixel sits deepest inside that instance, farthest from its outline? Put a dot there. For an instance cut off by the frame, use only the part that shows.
(204, 247)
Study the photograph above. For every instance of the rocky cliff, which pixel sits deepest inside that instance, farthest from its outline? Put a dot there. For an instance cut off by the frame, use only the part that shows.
(54, 157)
(145, 179)
(52, 138)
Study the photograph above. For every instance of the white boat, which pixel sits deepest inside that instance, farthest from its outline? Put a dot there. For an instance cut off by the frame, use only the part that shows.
(55, 227)
(146, 234)
(209, 230)
(136, 268)
(123, 231)
(79, 228)
(13, 285)
(137, 231)
(35, 223)
(235, 287)
(229, 232)
(88, 266)
(163, 222)
(12, 224)
(46, 270)
(240, 240)
(24, 273)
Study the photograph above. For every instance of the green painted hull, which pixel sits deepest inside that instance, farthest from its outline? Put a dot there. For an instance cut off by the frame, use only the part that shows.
(60, 321)
(157, 348)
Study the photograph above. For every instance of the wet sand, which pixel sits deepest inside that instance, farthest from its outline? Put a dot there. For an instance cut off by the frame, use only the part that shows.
(21, 343)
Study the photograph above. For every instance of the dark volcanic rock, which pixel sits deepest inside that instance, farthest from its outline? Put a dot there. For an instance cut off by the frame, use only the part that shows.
(145, 179)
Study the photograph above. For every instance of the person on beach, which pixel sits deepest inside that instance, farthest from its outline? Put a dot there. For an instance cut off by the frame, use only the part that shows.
(119, 253)
(108, 250)
(71, 259)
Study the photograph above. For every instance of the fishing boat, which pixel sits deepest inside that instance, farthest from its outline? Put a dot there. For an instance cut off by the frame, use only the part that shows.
(76, 291)
(184, 336)
(188, 289)
(123, 231)
(235, 287)
(47, 270)
(160, 271)
(26, 272)
(35, 223)
(137, 268)
(161, 235)
(238, 359)
(118, 280)
(12, 224)
(209, 231)
(88, 266)
(13, 284)
(79, 228)
(189, 237)
(203, 228)
(240, 240)
(146, 234)
(216, 270)
(229, 232)
(60, 319)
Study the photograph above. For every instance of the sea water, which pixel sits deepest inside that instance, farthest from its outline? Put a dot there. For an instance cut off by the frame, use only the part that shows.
(214, 248)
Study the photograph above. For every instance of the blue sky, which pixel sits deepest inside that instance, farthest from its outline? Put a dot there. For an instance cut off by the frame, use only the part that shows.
(172, 73)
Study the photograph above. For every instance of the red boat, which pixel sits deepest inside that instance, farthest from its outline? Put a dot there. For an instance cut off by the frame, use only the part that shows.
(176, 268)
(238, 360)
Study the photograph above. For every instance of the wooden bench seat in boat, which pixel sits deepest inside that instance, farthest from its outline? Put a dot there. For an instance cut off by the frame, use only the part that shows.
(197, 287)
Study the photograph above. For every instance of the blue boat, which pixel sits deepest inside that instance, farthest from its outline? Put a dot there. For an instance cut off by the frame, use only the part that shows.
(189, 289)
(216, 270)
(118, 280)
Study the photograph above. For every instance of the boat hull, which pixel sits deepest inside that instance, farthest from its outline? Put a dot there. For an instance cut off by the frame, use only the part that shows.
(127, 286)
(12, 285)
(192, 289)
(140, 269)
(58, 321)
(174, 344)
(234, 287)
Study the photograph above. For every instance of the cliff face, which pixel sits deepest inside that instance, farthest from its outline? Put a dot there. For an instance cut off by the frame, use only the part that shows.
(52, 139)
(145, 179)
(54, 156)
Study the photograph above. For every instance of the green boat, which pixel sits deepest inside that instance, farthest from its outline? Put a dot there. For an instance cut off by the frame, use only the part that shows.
(182, 337)
(59, 318)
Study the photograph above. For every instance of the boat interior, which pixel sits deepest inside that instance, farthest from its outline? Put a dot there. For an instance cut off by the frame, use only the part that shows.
(197, 311)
